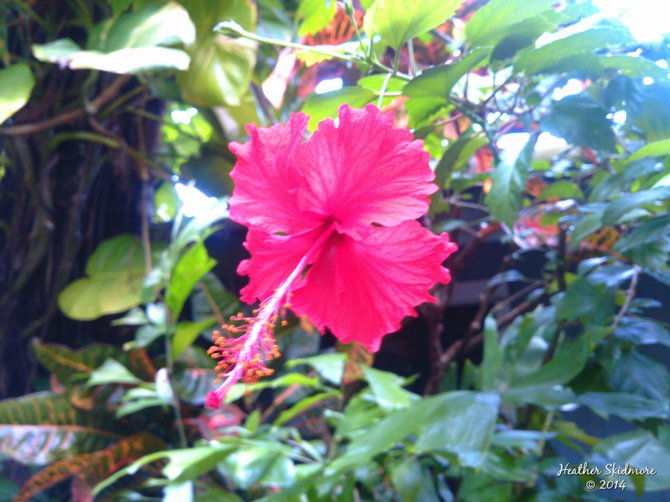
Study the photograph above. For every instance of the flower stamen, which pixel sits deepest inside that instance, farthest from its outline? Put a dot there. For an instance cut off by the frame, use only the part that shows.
(242, 355)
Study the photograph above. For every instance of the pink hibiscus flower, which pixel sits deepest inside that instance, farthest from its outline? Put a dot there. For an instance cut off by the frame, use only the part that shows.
(332, 230)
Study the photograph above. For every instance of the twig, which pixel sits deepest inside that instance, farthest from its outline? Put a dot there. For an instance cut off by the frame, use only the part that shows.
(105, 96)
(630, 296)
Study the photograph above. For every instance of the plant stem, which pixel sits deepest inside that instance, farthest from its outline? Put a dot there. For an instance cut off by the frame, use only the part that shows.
(169, 366)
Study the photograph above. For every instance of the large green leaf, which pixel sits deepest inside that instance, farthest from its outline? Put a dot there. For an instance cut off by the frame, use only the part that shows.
(497, 18)
(131, 43)
(639, 449)
(221, 66)
(625, 405)
(41, 428)
(622, 208)
(90, 468)
(116, 270)
(219, 72)
(582, 121)
(397, 21)
(553, 54)
(509, 179)
(16, 82)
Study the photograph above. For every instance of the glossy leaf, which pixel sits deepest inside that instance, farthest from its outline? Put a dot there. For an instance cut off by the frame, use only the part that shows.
(417, 18)
(129, 44)
(90, 468)
(17, 82)
(41, 428)
(553, 54)
(66, 363)
(221, 66)
(190, 268)
(639, 449)
(509, 177)
(497, 19)
(582, 121)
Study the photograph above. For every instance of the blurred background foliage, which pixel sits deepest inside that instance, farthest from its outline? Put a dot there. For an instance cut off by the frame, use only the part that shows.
(548, 124)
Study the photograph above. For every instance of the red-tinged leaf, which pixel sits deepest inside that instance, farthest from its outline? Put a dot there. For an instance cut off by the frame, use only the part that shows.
(65, 363)
(41, 428)
(89, 469)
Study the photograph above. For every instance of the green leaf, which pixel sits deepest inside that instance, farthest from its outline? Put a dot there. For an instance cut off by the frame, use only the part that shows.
(387, 389)
(625, 405)
(65, 363)
(641, 375)
(568, 361)
(329, 366)
(187, 332)
(16, 82)
(566, 49)
(40, 428)
(397, 21)
(314, 15)
(221, 66)
(323, 106)
(438, 81)
(622, 208)
(509, 179)
(639, 449)
(190, 268)
(266, 464)
(561, 190)
(116, 270)
(304, 405)
(497, 19)
(412, 482)
(581, 121)
(461, 423)
(219, 72)
(586, 301)
(650, 112)
(166, 203)
(130, 43)
(642, 331)
(650, 231)
(493, 354)
(456, 157)
(655, 149)
(112, 371)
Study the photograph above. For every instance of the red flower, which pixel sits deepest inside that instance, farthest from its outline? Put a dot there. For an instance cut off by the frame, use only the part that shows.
(331, 227)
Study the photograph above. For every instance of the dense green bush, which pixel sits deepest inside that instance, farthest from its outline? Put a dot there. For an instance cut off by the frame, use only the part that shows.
(549, 132)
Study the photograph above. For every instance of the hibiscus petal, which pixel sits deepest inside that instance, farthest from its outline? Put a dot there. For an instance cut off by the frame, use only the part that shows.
(273, 258)
(364, 171)
(361, 289)
(267, 177)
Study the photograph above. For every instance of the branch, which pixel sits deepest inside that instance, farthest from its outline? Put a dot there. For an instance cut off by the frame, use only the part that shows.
(105, 96)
